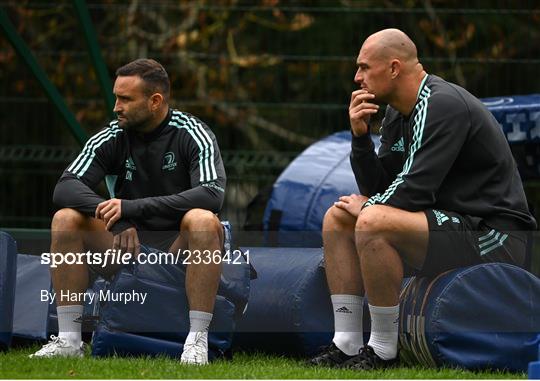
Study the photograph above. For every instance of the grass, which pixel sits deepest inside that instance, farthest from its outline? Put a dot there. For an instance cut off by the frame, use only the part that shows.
(16, 364)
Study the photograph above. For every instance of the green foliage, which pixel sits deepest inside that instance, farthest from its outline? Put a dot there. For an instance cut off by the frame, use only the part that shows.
(268, 74)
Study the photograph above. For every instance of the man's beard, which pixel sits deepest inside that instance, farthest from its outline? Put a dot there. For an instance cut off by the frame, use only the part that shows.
(133, 125)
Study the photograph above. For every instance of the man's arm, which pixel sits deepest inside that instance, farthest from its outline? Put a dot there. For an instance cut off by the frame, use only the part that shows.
(368, 168)
(174, 205)
(75, 187)
(71, 192)
(440, 128)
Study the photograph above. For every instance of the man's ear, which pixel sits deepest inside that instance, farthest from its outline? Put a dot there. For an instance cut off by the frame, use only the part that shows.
(156, 100)
(395, 68)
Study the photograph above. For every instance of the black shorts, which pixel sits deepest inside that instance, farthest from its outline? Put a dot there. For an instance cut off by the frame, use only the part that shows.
(457, 240)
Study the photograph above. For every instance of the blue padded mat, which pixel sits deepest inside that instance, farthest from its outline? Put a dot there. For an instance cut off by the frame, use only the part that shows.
(161, 324)
(482, 317)
(8, 270)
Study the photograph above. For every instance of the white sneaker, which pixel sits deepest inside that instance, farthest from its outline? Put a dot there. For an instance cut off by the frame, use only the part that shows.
(59, 346)
(196, 349)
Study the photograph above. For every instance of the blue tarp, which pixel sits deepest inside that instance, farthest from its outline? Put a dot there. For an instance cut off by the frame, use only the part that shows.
(519, 116)
(311, 184)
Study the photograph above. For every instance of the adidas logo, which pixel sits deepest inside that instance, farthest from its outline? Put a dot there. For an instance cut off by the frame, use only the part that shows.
(344, 310)
(399, 146)
(441, 217)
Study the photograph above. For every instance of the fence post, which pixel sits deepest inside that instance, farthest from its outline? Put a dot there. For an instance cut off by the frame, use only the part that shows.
(95, 53)
(52, 93)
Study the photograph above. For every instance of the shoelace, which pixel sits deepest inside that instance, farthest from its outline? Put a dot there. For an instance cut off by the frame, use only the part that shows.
(196, 344)
(333, 349)
(55, 340)
(367, 356)
(330, 351)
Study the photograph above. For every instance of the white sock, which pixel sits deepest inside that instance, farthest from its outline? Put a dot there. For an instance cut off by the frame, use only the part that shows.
(384, 331)
(199, 321)
(348, 334)
(68, 328)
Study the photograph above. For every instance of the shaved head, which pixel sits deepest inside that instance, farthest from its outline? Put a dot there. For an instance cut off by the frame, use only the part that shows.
(392, 43)
(388, 68)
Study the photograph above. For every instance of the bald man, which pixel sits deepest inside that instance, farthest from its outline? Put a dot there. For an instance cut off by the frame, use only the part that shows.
(443, 192)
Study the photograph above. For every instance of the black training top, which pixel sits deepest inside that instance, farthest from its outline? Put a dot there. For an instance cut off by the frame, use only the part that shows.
(449, 154)
(159, 176)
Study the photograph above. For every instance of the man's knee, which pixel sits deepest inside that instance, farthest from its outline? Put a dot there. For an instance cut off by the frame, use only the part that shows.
(337, 219)
(371, 225)
(372, 219)
(200, 220)
(67, 219)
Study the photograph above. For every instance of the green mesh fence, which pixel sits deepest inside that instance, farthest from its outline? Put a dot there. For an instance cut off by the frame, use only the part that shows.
(269, 80)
